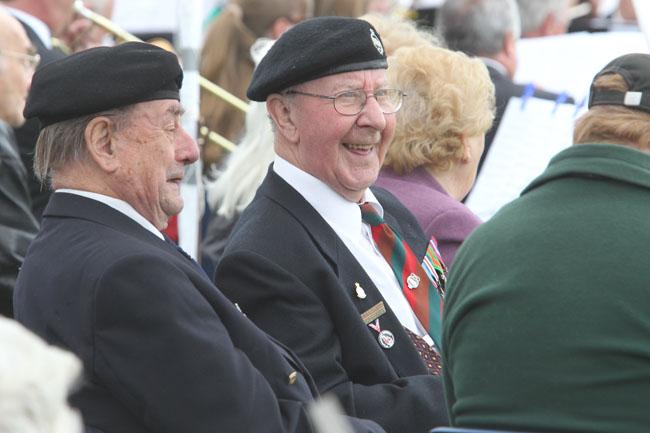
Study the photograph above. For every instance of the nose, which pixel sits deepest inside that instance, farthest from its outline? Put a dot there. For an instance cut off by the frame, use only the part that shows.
(187, 151)
(372, 115)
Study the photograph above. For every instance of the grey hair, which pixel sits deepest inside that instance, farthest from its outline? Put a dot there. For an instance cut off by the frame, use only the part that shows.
(534, 12)
(64, 142)
(478, 27)
(247, 166)
(35, 380)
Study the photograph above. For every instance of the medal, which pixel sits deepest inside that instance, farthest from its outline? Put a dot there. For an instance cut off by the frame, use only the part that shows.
(385, 338)
(412, 281)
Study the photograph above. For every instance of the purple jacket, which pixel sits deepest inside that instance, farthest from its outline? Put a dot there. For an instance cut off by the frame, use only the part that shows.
(440, 215)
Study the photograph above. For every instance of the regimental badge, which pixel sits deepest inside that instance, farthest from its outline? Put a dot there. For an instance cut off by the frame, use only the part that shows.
(413, 281)
(376, 42)
(361, 294)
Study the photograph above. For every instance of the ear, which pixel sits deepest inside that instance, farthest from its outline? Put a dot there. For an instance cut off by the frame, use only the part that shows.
(100, 143)
(467, 150)
(281, 112)
(510, 45)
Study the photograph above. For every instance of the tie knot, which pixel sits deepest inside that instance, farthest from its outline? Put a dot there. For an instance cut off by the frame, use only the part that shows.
(369, 215)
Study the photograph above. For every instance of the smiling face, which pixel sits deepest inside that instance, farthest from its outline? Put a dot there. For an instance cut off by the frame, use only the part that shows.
(345, 152)
(153, 151)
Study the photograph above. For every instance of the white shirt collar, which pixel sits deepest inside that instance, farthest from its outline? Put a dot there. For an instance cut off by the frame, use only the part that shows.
(40, 28)
(495, 65)
(341, 214)
(118, 205)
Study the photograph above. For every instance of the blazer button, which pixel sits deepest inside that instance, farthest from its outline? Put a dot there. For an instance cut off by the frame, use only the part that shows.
(293, 377)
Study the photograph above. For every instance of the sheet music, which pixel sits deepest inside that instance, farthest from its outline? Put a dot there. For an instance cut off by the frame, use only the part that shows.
(524, 144)
(642, 11)
(568, 63)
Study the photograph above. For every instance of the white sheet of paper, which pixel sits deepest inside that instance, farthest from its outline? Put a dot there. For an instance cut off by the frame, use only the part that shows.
(642, 11)
(568, 63)
(524, 144)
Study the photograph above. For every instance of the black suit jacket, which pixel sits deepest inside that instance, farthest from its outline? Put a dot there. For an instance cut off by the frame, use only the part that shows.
(27, 134)
(163, 349)
(295, 278)
(505, 89)
(18, 227)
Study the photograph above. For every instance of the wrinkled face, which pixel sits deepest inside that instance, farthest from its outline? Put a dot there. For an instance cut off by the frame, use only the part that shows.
(153, 150)
(345, 152)
(15, 74)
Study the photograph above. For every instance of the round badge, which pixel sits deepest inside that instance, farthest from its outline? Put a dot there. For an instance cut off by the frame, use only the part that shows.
(412, 281)
(386, 339)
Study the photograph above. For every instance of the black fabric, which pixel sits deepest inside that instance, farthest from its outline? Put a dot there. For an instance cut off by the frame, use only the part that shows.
(103, 78)
(19, 227)
(635, 69)
(163, 349)
(27, 134)
(316, 48)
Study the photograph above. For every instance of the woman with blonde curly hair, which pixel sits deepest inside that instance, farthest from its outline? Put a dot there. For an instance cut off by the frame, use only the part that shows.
(431, 163)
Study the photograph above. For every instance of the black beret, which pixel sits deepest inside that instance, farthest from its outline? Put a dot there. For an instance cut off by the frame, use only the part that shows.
(635, 70)
(102, 78)
(316, 48)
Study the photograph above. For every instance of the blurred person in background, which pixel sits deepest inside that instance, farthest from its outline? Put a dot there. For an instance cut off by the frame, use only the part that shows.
(82, 33)
(42, 20)
(227, 62)
(18, 59)
(35, 381)
(432, 161)
(488, 29)
(543, 18)
(547, 313)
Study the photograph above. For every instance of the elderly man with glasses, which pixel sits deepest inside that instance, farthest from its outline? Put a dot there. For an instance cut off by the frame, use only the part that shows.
(17, 224)
(308, 261)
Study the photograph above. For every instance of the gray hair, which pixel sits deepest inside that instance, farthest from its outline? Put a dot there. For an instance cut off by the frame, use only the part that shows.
(247, 166)
(64, 142)
(534, 12)
(35, 380)
(478, 27)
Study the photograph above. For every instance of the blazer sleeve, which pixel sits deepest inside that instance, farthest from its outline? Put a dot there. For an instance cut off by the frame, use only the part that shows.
(290, 310)
(162, 350)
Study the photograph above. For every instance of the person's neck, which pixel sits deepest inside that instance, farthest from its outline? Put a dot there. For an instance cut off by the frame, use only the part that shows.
(449, 180)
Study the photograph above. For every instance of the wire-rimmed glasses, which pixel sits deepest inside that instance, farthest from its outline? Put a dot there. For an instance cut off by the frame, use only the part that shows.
(351, 102)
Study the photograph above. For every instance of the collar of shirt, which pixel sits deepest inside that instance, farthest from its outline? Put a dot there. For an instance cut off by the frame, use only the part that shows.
(40, 28)
(345, 219)
(342, 215)
(118, 205)
(494, 65)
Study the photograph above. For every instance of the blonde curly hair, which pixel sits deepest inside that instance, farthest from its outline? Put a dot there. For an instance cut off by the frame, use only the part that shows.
(448, 95)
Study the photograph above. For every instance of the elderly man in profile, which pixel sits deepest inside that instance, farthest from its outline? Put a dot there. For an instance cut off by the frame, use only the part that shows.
(306, 260)
(17, 224)
(163, 349)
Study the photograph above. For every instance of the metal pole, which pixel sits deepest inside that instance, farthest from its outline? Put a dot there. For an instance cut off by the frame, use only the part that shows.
(188, 43)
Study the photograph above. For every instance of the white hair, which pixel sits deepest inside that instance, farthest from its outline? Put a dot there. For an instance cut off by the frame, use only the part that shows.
(478, 27)
(246, 167)
(35, 380)
(534, 12)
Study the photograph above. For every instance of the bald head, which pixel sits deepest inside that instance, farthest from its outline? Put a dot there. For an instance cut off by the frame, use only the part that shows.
(15, 70)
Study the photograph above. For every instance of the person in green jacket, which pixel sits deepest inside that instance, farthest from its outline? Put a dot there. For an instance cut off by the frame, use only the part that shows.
(547, 316)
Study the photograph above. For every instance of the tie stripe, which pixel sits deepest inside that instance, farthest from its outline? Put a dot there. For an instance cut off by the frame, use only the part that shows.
(425, 299)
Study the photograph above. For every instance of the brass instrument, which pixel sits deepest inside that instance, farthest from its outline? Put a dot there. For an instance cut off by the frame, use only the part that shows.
(206, 84)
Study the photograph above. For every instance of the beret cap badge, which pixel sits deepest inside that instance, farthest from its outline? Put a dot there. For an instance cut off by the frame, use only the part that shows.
(376, 42)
